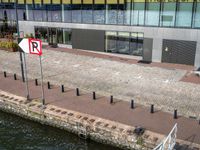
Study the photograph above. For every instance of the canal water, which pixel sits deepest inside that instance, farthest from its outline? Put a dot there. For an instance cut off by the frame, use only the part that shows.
(20, 134)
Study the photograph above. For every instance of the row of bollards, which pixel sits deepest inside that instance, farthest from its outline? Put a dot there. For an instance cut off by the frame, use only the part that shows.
(5, 75)
(175, 115)
(175, 111)
(94, 95)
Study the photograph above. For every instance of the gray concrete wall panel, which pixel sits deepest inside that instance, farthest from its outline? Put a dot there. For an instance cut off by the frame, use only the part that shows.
(147, 49)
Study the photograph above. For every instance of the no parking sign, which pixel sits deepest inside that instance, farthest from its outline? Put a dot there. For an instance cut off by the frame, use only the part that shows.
(31, 46)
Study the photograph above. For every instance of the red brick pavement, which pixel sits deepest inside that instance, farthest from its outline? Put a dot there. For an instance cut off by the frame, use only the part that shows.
(160, 122)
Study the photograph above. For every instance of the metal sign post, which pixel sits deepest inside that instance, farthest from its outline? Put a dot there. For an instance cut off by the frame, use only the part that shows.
(32, 46)
(42, 86)
(26, 77)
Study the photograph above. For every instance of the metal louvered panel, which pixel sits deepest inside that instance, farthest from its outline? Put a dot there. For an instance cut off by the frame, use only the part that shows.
(180, 52)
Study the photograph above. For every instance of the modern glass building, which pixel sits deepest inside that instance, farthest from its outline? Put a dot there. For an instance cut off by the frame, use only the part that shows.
(155, 30)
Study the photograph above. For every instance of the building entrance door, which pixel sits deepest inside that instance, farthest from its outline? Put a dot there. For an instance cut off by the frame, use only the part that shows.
(52, 36)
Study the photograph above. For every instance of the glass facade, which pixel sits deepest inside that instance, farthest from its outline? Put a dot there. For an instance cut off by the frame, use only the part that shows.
(196, 21)
(167, 18)
(124, 42)
(166, 13)
(53, 35)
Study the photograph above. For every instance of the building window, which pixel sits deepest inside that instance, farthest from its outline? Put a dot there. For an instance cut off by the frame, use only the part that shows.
(29, 12)
(120, 19)
(67, 35)
(99, 13)
(1, 11)
(111, 42)
(197, 16)
(60, 36)
(111, 14)
(123, 43)
(41, 33)
(67, 13)
(56, 13)
(87, 13)
(21, 11)
(152, 14)
(76, 13)
(136, 44)
(127, 13)
(49, 12)
(40, 13)
(167, 17)
(137, 16)
(184, 15)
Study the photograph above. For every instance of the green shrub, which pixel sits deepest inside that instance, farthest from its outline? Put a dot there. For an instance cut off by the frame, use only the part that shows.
(8, 45)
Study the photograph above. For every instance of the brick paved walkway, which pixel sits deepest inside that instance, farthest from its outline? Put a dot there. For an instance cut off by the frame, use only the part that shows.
(160, 122)
(120, 76)
(121, 58)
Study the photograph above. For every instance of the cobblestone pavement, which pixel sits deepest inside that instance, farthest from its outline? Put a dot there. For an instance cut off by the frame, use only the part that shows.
(147, 85)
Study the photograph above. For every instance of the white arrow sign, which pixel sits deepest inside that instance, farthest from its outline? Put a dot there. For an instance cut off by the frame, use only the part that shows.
(31, 46)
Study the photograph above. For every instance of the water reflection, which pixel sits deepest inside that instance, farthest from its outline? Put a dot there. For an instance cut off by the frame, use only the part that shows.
(19, 134)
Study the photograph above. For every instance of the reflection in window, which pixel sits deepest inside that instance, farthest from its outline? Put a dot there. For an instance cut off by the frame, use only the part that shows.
(168, 14)
(56, 13)
(41, 33)
(29, 12)
(120, 19)
(197, 16)
(99, 13)
(127, 13)
(152, 14)
(40, 13)
(10, 12)
(48, 8)
(111, 42)
(52, 36)
(60, 36)
(76, 13)
(21, 12)
(67, 13)
(136, 44)
(137, 17)
(67, 34)
(184, 15)
(111, 14)
(87, 13)
(1, 11)
(123, 43)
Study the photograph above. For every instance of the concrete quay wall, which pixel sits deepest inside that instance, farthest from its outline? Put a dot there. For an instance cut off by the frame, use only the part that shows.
(95, 128)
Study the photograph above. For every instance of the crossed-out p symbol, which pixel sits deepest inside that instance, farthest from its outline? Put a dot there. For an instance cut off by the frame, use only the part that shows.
(35, 46)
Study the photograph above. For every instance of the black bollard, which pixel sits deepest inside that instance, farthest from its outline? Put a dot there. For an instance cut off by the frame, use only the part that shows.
(15, 77)
(199, 121)
(5, 75)
(132, 104)
(36, 82)
(77, 92)
(62, 88)
(94, 95)
(48, 84)
(152, 109)
(111, 99)
(175, 114)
